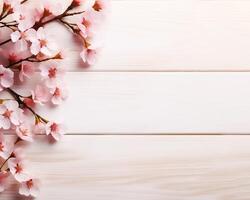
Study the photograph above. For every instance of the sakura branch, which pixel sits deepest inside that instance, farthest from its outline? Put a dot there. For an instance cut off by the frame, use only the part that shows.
(29, 52)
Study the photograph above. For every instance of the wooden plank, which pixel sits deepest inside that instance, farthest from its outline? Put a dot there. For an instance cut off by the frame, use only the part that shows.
(155, 103)
(169, 36)
(176, 36)
(142, 167)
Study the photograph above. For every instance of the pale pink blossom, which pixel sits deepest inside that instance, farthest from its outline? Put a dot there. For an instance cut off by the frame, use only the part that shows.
(23, 131)
(29, 188)
(59, 94)
(54, 129)
(41, 94)
(89, 56)
(6, 77)
(18, 170)
(51, 73)
(21, 38)
(27, 70)
(90, 24)
(10, 114)
(12, 54)
(5, 147)
(3, 179)
(24, 17)
(43, 43)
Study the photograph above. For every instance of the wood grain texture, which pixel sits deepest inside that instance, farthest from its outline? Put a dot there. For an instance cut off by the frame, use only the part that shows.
(193, 35)
(176, 36)
(155, 103)
(142, 167)
(117, 96)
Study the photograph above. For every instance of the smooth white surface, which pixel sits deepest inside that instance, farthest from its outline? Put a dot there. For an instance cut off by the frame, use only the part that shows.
(155, 103)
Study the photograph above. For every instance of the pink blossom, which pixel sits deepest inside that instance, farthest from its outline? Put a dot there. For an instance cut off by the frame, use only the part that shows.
(89, 56)
(41, 94)
(44, 44)
(6, 77)
(29, 188)
(3, 176)
(10, 113)
(17, 169)
(51, 72)
(21, 38)
(12, 54)
(27, 70)
(90, 24)
(23, 131)
(55, 130)
(59, 93)
(5, 147)
(24, 17)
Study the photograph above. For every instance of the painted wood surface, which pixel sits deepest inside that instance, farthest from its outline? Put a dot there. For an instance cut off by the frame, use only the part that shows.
(142, 167)
(132, 91)
(154, 103)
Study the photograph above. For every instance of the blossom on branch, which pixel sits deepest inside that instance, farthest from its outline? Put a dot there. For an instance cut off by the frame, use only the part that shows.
(29, 53)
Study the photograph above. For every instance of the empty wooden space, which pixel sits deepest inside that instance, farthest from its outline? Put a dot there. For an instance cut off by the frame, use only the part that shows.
(155, 103)
(143, 167)
(143, 123)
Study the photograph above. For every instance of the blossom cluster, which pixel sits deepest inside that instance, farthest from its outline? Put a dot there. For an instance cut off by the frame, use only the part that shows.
(28, 52)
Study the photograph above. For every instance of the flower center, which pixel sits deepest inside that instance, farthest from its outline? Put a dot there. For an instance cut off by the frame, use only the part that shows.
(18, 168)
(57, 92)
(23, 35)
(12, 57)
(7, 113)
(43, 43)
(53, 127)
(52, 72)
(29, 183)
(24, 132)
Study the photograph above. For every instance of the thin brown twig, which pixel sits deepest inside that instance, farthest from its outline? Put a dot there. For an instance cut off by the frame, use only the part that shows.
(21, 103)
(10, 156)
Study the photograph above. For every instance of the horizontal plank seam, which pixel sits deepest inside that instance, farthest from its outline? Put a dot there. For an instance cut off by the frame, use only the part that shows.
(148, 134)
(157, 71)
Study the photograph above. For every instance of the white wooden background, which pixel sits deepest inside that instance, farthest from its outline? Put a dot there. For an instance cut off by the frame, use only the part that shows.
(163, 115)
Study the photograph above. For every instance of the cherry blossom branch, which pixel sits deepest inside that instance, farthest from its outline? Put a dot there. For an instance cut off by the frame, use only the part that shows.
(5, 42)
(8, 11)
(10, 156)
(30, 45)
(40, 23)
(22, 104)
(8, 25)
(74, 28)
(33, 60)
